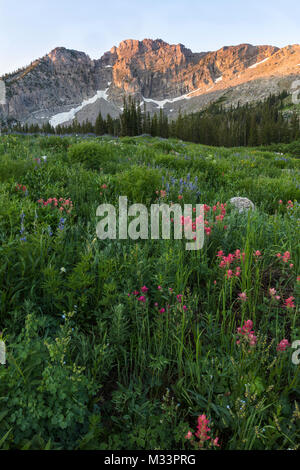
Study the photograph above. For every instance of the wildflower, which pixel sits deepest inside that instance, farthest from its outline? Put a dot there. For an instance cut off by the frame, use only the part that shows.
(289, 303)
(272, 292)
(62, 270)
(179, 297)
(252, 339)
(237, 271)
(283, 345)
(144, 289)
(159, 287)
(215, 442)
(61, 224)
(162, 310)
(135, 292)
(243, 296)
(189, 435)
(247, 326)
(184, 308)
(23, 188)
(229, 274)
(257, 253)
(142, 298)
(247, 333)
(286, 257)
(202, 429)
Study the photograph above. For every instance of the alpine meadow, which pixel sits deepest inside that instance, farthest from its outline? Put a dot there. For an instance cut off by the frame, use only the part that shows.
(149, 229)
(123, 344)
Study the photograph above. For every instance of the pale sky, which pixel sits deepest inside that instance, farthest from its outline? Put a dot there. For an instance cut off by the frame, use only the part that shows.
(30, 29)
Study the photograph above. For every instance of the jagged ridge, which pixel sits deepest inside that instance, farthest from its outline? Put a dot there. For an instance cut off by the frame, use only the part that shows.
(162, 75)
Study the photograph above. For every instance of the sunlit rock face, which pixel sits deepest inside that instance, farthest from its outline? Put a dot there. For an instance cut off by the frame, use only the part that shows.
(162, 75)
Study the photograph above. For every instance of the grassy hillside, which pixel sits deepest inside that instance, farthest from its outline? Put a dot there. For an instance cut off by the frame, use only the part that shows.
(123, 344)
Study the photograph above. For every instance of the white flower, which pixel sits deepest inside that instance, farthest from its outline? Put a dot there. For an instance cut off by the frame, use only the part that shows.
(62, 270)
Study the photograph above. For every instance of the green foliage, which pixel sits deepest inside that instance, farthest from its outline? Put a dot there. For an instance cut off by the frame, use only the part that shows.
(293, 148)
(93, 155)
(260, 123)
(54, 142)
(138, 184)
(44, 393)
(13, 169)
(120, 373)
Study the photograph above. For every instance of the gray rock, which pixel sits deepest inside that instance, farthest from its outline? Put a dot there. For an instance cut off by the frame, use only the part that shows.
(242, 204)
(164, 76)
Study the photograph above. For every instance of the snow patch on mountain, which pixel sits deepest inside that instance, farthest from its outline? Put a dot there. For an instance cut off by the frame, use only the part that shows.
(258, 63)
(162, 103)
(188, 95)
(60, 118)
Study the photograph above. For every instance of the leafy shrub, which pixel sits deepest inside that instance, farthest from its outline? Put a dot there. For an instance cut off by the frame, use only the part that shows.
(54, 142)
(138, 184)
(93, 155)
(13, 169)
(44, 392)
(170, 161)
(164, 145)
(293, 148)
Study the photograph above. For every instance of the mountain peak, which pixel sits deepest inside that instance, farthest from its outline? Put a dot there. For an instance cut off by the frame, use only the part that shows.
(61, 53)
(165, 76)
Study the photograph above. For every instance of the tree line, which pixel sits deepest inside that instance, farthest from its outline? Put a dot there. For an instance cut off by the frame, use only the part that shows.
(262, 123)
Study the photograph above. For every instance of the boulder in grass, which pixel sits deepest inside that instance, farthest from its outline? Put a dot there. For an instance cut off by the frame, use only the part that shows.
(242, 204)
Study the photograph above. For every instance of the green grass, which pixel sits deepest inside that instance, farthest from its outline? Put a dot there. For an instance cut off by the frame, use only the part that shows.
(91, 367)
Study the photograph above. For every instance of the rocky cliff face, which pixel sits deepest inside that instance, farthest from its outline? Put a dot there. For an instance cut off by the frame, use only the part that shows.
(66, 84)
